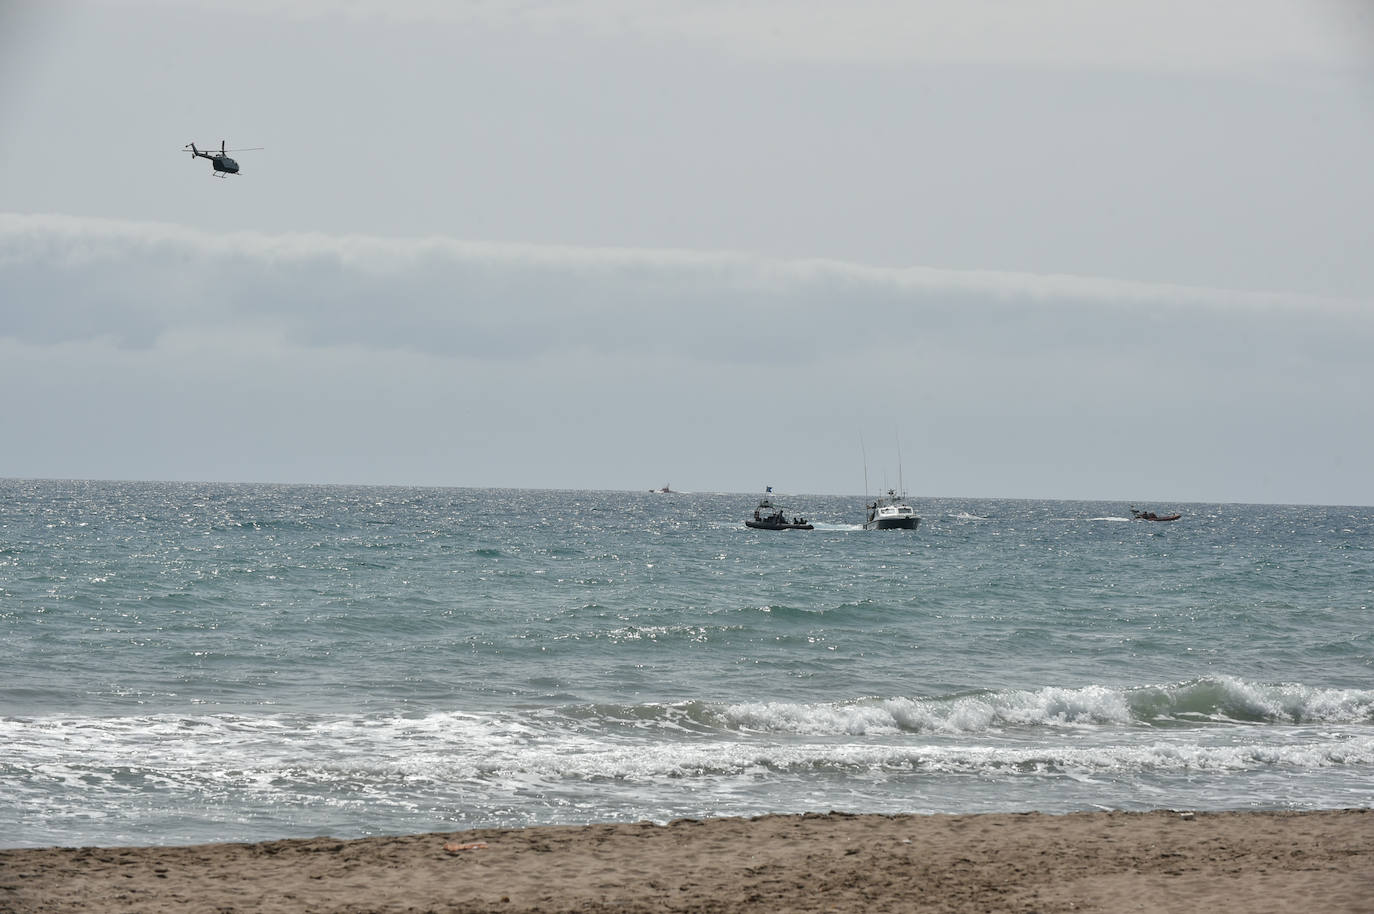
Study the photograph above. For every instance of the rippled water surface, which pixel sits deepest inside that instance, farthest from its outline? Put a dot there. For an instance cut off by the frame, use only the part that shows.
(219, 662)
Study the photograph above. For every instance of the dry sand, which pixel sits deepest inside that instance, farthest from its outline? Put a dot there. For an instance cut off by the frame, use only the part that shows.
(1215, 863)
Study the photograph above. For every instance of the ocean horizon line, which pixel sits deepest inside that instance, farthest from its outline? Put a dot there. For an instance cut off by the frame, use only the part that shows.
(711, 491)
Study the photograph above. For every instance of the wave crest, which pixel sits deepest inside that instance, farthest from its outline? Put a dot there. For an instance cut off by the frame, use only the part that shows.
(1215, 700)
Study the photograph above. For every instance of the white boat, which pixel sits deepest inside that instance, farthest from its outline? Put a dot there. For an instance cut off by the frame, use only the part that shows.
(891, 512)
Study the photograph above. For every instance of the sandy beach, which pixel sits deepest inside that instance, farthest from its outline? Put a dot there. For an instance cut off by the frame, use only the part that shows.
(1162, 861)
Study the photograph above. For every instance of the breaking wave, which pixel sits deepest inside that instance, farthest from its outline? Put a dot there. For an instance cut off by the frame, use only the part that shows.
(1213, 700)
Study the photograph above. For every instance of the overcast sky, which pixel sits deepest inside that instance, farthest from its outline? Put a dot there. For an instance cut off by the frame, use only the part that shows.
(1059, 249)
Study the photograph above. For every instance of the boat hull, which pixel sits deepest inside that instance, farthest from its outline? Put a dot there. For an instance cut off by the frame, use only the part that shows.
(1150, 515)
(893, 523)
(771, 525)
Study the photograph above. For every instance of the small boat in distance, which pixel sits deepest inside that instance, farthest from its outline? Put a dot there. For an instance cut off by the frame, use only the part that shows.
(767, 516)
(888, 512)
(891, 512)
(663, 491)
(1150, 515)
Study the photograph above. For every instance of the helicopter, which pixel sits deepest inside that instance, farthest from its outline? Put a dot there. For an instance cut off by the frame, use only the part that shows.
(223, 165)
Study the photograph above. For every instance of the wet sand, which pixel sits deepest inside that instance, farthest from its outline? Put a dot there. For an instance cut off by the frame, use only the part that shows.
(1216, 863)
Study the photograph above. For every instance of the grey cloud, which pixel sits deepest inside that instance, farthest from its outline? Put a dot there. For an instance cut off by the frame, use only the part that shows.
(68, 279)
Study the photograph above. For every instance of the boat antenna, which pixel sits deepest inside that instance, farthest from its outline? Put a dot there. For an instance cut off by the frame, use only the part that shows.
(900, 484)
(864, 450)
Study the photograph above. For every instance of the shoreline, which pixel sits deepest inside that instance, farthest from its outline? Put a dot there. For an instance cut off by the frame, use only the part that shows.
(1161, 861)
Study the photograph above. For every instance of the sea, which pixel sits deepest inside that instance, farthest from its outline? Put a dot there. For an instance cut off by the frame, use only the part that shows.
(190, 662)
